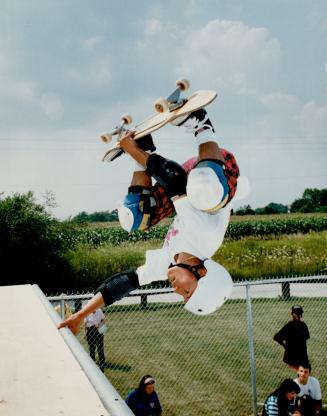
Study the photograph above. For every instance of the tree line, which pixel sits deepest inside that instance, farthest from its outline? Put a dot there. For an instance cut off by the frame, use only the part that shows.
(312, 200)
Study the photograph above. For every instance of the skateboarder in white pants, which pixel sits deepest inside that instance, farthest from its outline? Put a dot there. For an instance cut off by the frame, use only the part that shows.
(202, 201)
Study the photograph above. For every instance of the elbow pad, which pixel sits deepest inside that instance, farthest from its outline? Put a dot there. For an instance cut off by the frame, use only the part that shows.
(118, 286)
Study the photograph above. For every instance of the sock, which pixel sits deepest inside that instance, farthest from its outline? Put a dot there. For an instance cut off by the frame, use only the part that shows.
(204, 136)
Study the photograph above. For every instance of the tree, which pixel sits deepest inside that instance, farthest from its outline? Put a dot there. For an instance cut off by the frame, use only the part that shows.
(312, 200)
(99, 216)
(245, 210)
(30, 244)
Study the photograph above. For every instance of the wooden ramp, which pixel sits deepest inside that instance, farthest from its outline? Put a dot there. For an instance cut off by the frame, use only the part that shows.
(39, 374)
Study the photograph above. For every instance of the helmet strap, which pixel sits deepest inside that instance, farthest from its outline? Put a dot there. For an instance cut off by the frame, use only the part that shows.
(192, 268)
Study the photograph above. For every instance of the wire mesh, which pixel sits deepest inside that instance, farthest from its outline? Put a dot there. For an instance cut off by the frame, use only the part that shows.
(202, 365)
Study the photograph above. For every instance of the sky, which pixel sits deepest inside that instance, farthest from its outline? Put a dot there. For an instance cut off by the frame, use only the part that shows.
(69, 69)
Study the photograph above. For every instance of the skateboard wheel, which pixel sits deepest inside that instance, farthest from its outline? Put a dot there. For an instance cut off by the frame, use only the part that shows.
(126, 119)
(106, 137)
(183, 84)
(161, 105)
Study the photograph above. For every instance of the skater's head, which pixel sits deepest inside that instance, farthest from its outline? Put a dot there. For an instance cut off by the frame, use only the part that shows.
(297, 312)
(184, 277)
(204, 285)
(146, 385)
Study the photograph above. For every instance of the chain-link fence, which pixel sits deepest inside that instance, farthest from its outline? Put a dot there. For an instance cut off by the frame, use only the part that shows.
(222, 364)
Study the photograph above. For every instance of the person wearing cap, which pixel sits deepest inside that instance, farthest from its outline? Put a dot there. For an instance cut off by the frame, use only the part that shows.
(293, 337)
(201, 194)
(144, 400)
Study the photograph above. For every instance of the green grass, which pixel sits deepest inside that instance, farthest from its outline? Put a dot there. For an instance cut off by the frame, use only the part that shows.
(234, 218)
(247, 258)
(201, 364)
(295, 254)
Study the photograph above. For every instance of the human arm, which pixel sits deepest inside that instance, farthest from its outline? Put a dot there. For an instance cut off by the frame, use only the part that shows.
(131, 401)
(158, 406)
(74, 321)
(130, 146)
(280, 337)
(317, 406)
(102, 318)
(271, 406)
(306, 330)
(111, 290)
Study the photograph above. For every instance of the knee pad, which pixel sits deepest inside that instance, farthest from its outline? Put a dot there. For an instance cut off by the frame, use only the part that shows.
(207, 187)
(136, 211)
(169, 174)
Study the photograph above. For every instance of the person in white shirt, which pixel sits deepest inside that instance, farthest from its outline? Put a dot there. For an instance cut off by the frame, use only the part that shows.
(94, 338)
(201, 194)
(309, 398)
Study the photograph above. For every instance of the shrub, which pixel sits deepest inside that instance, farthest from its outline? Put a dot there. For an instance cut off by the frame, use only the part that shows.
(30, 244)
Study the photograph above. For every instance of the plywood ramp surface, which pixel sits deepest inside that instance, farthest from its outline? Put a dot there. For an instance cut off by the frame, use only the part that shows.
(38, 373)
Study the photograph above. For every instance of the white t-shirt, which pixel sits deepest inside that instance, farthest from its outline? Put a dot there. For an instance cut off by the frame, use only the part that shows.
(192, 231)
(312, 388)
(95, 318)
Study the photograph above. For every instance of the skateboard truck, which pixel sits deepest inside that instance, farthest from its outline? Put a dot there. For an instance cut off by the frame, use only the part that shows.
(174, 101)
(106, 137)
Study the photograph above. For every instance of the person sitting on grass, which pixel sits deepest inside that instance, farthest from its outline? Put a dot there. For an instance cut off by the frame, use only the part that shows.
(144, 401)
(281, 401)
(309, 399)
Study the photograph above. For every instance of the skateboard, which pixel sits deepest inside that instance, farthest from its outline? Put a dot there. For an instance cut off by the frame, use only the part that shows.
(167, 110)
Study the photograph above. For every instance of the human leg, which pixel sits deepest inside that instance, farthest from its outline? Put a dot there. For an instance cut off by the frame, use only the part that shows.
(199, 124)
(91, 340)
(212, 182)
(100, 349)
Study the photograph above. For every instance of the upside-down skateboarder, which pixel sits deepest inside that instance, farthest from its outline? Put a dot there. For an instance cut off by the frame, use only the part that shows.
(200, 192)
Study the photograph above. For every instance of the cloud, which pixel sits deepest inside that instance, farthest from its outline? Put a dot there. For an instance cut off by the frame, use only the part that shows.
(230, 54)
(152, 27)
(313, 119)
(96, 73)
(280, 101)
(52, 106)
(91, 43)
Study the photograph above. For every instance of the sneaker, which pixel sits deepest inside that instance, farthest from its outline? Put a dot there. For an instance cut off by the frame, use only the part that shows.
(145, 143)
(195, 122)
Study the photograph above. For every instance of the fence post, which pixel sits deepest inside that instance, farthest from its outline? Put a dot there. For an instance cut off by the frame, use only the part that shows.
(286, 290)
(62, 309)
(251, 349)
(144, 301)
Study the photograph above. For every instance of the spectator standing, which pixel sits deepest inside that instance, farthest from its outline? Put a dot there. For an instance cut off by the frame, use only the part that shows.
(293, 337)
(67, 312)
(94, 337)
(144, 401)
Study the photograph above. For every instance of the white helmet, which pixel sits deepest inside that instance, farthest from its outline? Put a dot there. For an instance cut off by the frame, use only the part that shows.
(204, 189)
(212, 291)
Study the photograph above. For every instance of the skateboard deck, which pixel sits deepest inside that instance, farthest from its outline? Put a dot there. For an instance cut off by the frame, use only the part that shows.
(168, 110)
